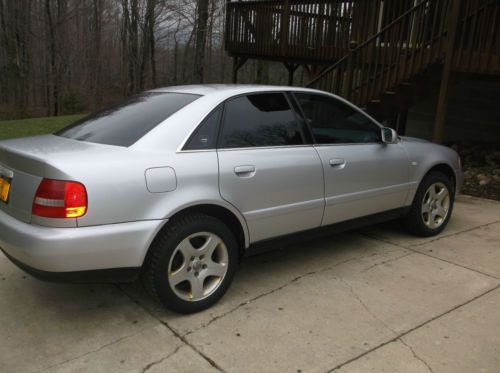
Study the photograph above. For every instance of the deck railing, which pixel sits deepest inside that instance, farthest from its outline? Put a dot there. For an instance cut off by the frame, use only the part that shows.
(413, 41)
(403, 47)
(477, 45)
(307, 30)
(324, 31)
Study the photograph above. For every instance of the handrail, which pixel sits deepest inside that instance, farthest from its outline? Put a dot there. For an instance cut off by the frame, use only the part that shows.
(367, 41)
(402, 48)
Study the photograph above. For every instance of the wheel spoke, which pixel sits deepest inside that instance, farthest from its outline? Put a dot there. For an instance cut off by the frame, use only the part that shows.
(179, 276)
(440, 211)
(442, 194)
(196, 288)
(432, 192)
(432, 219)
(426, 208)
(210, 245)
(215, 269)
(186, 248)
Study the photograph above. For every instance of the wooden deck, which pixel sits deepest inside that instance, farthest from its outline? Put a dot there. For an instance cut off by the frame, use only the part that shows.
(322, 32)
(380, 54)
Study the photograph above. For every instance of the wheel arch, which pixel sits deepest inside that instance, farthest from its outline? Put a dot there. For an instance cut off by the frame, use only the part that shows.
(232, 219)
(445, 169)
(442, 167)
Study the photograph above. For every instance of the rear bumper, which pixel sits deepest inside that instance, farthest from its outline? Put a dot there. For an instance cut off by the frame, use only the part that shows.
(61, 251)
(93, 276)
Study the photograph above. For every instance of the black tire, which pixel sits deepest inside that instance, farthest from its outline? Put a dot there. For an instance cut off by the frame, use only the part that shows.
(415, 221)
(157, 266)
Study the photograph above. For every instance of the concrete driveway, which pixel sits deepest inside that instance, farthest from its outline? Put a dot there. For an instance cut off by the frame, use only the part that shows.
(372, 300)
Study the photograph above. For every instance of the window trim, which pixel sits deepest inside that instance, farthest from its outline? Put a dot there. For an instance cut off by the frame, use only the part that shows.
(343, 101)
(183, 149)
(300, 117)
(223, 116)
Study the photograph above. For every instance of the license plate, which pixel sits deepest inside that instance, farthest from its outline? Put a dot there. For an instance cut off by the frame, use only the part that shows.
(4, 189)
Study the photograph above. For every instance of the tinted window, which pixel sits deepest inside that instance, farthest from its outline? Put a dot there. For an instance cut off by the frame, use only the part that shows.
(126, 123)
(260, 120)
(333, 122)
(205, 136)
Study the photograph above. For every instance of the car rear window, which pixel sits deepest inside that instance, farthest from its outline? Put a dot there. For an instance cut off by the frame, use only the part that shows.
(124, 124)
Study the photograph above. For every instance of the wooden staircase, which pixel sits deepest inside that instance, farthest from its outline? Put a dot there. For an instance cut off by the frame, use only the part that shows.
(406, 60)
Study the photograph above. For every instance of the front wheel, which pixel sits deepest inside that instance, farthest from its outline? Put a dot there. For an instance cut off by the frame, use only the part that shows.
(432, 207)
(192, 263)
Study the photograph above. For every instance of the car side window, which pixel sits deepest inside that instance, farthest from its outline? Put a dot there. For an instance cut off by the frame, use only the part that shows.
(334, 122)
(263, 119)
(205, 136)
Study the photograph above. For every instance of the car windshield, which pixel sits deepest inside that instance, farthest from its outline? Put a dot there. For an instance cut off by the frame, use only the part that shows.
(124, 124)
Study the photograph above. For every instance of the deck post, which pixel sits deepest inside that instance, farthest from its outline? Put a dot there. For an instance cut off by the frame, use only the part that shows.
(285, 24)
(401, 122)
(238, 62)
(444, 90)
(291, 67)
(235, 70)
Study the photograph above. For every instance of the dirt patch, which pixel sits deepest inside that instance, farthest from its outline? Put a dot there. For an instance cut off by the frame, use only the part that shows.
(481, 164)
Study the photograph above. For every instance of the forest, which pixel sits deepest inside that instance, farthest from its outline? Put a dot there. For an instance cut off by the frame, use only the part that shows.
(70, 56)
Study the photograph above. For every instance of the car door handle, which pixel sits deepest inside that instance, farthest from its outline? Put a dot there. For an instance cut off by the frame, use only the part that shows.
(337, 162)
(244, 170)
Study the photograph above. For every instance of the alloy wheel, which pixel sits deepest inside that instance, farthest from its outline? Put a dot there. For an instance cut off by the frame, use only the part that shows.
(198, 266)
(435, 205)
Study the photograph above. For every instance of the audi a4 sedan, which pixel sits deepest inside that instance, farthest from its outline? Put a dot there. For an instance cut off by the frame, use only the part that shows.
(174, 184)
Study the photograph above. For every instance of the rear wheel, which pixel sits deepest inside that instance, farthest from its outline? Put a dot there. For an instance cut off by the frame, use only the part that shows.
(192, 263)
(432, 206)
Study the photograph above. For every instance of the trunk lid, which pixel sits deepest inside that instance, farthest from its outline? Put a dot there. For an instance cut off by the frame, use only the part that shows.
(24, 162)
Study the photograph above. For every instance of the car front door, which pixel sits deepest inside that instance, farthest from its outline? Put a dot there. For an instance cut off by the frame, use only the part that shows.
(267, 168)
(363, 176)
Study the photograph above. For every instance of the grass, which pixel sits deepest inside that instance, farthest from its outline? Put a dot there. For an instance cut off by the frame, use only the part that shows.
(34, 126)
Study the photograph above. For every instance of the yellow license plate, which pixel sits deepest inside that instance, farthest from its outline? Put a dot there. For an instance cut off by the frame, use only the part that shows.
(4, 189)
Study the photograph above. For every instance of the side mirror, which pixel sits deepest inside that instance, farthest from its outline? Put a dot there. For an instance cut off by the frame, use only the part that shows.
(389, 136)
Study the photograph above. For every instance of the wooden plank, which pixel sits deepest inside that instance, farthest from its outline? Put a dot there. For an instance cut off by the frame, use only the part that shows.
(445, 79)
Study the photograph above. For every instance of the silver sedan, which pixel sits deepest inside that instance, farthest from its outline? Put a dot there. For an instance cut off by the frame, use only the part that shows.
(174, 184)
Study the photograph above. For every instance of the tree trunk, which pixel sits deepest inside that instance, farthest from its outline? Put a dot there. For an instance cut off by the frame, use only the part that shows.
(152, 42)
(185, 57)
(98, 4)
(52, 52)
(134, 46)
(201, 39)
(15, 26)
(148, 45)
(125, 48)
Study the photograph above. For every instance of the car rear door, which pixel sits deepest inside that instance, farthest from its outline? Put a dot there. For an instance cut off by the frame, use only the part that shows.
(267, 168)
(363, 176)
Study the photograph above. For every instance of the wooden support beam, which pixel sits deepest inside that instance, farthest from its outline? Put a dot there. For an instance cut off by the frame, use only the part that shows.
(401, 123)
(285, 27)
(238, 62)
(291, 67)
(312, 71)
(444, 89)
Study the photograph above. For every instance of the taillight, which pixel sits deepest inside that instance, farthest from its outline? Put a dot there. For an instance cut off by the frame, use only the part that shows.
(60, 199)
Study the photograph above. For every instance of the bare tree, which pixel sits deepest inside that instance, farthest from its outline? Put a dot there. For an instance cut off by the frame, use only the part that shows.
(66, 56)
(201, 40)
(15, 41)
(97, 41)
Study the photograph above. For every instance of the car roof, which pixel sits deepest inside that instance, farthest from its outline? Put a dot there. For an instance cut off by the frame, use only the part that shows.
(227, 89)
